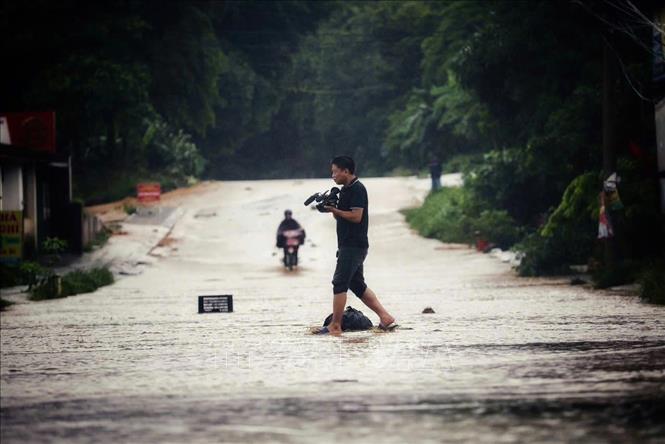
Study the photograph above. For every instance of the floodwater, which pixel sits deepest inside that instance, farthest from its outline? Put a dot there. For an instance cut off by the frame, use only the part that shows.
(502, 359)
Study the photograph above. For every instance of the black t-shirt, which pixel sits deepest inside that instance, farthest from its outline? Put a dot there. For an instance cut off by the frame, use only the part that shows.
(349, 234)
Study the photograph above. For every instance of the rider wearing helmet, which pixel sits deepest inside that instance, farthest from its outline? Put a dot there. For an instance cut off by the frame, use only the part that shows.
(289, 223)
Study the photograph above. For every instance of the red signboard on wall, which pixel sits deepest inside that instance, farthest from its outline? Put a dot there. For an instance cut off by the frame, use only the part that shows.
(32, 130)
(148, 192)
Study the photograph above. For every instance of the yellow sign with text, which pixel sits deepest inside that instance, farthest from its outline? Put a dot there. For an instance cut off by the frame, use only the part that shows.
(11, 236)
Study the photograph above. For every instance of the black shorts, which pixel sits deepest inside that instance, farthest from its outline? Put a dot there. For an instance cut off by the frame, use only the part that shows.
(349, 271)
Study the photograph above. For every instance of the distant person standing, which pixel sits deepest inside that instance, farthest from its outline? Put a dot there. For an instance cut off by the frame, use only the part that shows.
(435, 172)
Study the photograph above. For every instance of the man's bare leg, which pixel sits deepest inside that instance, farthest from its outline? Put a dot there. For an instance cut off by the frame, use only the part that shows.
(339, 302)
(369, 298)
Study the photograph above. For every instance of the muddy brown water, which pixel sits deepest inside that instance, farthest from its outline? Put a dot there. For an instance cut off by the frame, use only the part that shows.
(502, 359)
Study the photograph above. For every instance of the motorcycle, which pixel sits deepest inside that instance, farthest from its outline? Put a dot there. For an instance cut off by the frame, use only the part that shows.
(292, 240)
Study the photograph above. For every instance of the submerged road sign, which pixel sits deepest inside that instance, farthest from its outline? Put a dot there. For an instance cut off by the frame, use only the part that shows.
(221, 303)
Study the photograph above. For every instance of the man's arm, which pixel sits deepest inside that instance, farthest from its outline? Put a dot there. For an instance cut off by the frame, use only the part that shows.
(354, 216)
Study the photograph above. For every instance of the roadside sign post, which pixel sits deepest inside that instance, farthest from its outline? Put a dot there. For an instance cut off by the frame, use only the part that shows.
(148, 193)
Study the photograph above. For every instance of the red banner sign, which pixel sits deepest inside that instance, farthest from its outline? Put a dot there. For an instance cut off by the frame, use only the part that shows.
(33, 130)
(148, 192)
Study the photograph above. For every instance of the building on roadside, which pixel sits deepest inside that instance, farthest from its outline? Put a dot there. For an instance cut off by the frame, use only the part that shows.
(35, 186)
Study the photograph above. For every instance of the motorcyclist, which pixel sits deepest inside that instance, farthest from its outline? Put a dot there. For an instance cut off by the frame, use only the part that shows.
(288, 224)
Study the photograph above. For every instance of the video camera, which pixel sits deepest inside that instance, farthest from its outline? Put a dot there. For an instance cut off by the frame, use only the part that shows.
(325, 199)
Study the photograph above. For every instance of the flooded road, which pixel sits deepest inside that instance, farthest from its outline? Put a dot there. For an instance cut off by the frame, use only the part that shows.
(502, 359)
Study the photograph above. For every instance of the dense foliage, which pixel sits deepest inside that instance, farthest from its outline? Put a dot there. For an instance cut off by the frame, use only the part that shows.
(517, 84)
(511, 92)
(152, 90)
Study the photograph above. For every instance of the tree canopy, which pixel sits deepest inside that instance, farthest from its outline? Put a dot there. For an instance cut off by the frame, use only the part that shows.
(512, 92)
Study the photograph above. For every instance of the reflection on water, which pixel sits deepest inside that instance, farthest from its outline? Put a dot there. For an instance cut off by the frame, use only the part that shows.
(395, 419)
(500, 360)
(180, 380)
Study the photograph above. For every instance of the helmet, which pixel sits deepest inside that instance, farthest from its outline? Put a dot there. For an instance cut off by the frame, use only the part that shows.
(288, 212)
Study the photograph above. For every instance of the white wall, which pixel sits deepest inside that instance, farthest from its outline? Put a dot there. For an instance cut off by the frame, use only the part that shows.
(11, 190)
(4, 132)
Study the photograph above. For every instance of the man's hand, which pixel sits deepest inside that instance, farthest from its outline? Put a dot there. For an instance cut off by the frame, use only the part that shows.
(332, 210)
(354, 216)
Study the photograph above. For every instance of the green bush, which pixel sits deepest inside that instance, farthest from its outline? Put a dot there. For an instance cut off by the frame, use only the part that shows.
(50, 288)
(620, 273)
(543, 256)
(652, 283)
(452, 215)
(497, 227)
(639, 227)
(26, 273)
(461, 162)
(80, 281)
(54, 245)
(9, 276)
(33, 273)
(4, 304)
(638, 230)
(569, 234)
(509, 180)
(107, 186)
(442, 216)
(171, 152)
(518, 181)
(74, 282)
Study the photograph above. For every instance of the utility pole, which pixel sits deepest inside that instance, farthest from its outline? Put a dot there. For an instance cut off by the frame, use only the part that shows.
(609, 137)
(660, 149)
(659, 111)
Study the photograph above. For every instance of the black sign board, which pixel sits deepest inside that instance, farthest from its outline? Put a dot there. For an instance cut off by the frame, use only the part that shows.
(219, 303)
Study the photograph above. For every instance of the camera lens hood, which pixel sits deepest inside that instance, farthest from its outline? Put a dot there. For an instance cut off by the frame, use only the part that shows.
(312, 198)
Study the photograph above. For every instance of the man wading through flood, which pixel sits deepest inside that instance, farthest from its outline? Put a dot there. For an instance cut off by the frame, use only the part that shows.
(352, 223)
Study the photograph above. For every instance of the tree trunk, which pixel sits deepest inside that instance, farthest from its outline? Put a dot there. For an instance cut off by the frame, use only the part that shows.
(110, 136)
(609, 110)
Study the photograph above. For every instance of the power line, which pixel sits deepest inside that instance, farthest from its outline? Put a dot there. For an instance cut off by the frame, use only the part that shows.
(620, 27)
(625, 74)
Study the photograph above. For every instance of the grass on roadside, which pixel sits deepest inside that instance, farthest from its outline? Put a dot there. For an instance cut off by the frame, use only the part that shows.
(451, 215)
(75, 282)
(4, 304)
(442, 217)
(26, 273)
